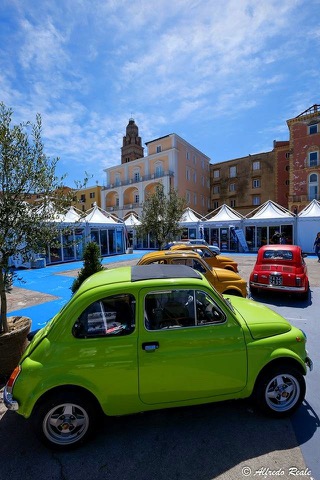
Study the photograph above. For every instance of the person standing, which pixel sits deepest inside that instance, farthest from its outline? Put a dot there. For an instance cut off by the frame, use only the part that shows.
(316, 245)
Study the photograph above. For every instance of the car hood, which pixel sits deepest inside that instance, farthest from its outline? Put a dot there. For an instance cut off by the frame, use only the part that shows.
(261, 321)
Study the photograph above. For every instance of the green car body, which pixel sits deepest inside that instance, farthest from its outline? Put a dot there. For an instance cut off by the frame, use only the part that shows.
(149, 359)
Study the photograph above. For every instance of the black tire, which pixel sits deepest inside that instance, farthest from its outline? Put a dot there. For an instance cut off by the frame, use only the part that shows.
(235, 293)
(64, 420)
(280, 391)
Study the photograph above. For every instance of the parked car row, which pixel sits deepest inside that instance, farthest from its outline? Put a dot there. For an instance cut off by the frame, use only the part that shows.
(158, 335)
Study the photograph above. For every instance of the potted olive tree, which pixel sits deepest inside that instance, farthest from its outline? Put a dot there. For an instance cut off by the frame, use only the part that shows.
(25, 170)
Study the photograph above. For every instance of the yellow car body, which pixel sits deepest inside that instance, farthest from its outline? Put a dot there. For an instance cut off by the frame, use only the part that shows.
(223, 280)
(215, 261)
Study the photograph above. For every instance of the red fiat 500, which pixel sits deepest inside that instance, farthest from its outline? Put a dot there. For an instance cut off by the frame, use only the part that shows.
(280, 268)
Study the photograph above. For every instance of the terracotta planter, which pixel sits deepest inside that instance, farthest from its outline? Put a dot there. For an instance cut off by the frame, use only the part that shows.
(13, 344)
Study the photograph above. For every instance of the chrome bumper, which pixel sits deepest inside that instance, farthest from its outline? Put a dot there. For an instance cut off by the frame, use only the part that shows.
(309, 363)
(9, 402)
(269, 286)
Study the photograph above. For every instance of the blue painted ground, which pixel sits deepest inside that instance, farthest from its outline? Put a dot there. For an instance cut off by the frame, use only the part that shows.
(47, 280)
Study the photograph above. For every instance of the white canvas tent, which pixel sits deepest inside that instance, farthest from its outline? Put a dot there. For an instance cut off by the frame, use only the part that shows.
(192, 222)
(224, 214)
(270, 211)
(269, 223)
(308, 225)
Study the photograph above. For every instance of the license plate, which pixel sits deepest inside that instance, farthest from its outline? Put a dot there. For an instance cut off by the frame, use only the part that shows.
(275, 280)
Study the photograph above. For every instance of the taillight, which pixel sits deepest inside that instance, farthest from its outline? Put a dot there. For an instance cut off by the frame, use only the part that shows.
(13, 377)
(298, 281)
(255, 277)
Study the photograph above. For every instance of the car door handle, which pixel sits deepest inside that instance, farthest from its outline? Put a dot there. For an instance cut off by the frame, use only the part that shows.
(150, 346)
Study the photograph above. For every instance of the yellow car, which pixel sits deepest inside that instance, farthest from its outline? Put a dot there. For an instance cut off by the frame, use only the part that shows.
(224, 281)
(209, 256)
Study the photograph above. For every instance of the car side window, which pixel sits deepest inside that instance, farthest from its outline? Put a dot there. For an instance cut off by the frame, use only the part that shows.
(180, 308)
(109, 316)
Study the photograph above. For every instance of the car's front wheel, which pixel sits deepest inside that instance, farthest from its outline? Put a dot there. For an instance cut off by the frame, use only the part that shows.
(64, 420)
(280, 391)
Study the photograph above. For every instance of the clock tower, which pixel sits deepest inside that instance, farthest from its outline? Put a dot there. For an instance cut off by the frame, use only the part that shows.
(131, 147)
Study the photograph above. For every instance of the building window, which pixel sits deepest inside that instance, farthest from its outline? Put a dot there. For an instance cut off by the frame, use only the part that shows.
(216, 173)
(158, 171)
(232, 203)
(188, 197)
(313, 186)
(287, 168)
(256, 200)
(232, 187)
(216, 189)
(287, 182)
(117, 202)
(188, 156)
(117, 180)
(313, 129)
(215, 205)
(82, 198)
(188, 174)
(287, 154)
(313, 159)
(256, 165)
(195, 199)
(92, 194)
(256, 183)
(136, 176)
(158, 148)
(232, 172)
(194, 177)
(136, 198)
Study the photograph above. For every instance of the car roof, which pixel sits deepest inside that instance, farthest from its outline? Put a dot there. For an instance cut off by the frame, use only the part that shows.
(171, 253)
(156, 271)
(137, 273)
(280, 247)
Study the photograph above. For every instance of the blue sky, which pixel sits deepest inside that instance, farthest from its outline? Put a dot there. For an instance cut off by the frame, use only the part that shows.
(223, 74)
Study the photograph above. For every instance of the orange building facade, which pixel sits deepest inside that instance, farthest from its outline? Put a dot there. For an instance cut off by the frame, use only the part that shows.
(170, 161)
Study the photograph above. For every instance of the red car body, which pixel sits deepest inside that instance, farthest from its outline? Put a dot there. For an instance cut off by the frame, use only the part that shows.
(280, 268)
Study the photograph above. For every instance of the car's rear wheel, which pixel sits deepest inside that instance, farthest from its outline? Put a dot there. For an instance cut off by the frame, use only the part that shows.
(65, 420)
(280, 391)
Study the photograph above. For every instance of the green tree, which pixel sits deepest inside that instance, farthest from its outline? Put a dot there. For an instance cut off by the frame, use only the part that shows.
(161, 215)
(91, 264)
(25, 170)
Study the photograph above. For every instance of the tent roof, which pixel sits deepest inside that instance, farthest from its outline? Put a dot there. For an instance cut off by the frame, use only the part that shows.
(132, 221)
(311, 210)
(190, 215)
(72, 215)
(97, 215)
(224, 213)
(270, 210)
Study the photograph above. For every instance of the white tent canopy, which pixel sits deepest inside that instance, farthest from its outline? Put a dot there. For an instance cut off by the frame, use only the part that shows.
(270, 211)
(308, 225)
(190, 216)
(99, 216)
(224, 214)
(132, 221)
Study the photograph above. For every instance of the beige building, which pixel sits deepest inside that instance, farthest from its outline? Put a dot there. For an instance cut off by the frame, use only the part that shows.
(243, 183)
(170, 160)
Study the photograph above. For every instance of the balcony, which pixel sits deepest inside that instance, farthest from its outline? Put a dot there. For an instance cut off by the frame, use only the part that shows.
(127, 206)
(143, 178)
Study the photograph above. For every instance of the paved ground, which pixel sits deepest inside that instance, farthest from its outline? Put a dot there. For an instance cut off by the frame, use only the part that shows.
(22, 297)
(227, 441)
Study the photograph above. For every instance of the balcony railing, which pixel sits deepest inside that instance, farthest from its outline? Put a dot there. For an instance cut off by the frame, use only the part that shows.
(127, 206)
(303, 198)
(143, 178)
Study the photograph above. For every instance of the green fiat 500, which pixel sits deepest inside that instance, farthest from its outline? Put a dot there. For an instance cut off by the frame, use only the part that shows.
(149, 337)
